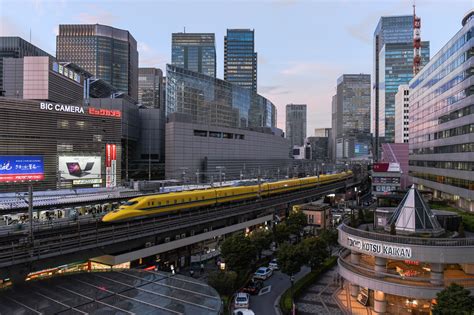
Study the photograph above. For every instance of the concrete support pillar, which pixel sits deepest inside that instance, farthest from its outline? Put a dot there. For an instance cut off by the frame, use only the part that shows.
(355, 258)
(354, 290)
(380, 266)
(437, 276)
(380, 302)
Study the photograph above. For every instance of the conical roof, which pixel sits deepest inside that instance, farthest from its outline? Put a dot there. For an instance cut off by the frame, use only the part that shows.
(414, 216)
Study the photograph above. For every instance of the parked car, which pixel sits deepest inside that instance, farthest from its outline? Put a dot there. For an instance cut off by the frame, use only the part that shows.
(243, 311)
(253, 287)
(273, 265)
(263, 273)
(242, 300)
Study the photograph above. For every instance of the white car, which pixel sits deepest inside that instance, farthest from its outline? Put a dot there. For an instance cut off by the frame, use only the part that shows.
(243, 311)
(273, 265)
(263, 273)
(242, 300)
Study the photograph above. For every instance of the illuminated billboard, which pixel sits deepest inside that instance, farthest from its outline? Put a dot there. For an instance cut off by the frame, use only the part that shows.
(79, 167)
(21, 168)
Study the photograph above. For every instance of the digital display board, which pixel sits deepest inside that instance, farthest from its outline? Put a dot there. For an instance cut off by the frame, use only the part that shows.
(21, 168)
(79, 167)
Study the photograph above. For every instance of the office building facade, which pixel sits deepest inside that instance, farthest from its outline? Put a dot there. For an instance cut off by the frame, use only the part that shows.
(322, 132)
(402, 113)
(211, 101)
(390, 30)
(441, 140)
(150, 87)
(351, 117)
(108, 53)
(296, 124)
(240, 58)
(396, 68)
(195, 52)
(16, 47)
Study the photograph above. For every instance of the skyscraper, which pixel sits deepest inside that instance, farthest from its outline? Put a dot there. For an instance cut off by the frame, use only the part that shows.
(351, 116)
(296, 124)
(150, 86)
(402, 111)
(391, 30)
(16, 47)
(441, 142)
(195, 52)
(240, 58)
(108, 53)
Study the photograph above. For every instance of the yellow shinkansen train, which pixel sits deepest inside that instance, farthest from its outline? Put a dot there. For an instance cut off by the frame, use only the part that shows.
(153, 205)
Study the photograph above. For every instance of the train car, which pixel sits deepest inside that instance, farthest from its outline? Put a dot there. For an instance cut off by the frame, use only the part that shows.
(308, 182)
(230, 194)
(283, 186)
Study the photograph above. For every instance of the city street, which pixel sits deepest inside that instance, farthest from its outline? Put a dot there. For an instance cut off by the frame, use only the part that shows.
(279, 282)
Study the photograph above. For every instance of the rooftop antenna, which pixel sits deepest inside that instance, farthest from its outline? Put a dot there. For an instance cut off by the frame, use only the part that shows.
(185, 29)
(30, 35)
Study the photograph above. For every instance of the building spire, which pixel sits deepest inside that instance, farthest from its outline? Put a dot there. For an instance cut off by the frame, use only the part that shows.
(416, 42)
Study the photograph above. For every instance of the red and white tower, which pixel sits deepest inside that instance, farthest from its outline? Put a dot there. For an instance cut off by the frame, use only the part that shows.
(416, 43)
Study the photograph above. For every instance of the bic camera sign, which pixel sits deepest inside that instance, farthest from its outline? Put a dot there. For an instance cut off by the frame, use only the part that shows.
(379, 248)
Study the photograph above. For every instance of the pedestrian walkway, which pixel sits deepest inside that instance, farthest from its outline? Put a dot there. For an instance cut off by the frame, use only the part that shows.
(348, 303)
(319, 297)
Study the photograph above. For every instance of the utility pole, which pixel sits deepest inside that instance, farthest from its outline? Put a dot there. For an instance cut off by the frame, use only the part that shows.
(220, 168)
(197, 176)
(149, 154)
(30, 209)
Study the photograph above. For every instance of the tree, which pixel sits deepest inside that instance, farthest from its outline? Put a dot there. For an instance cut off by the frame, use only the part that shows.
(360, 215)
(281, 233)
(225, 282)
(316, 251)
(291, 258)
(238, 252)
(296, 222)
(329, 236)
(261, 240)
(454, 300)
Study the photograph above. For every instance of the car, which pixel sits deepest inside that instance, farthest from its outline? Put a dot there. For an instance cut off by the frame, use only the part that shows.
(243, 311)
(273, 265)
(242, 300)
(263, 273)
(253, 287)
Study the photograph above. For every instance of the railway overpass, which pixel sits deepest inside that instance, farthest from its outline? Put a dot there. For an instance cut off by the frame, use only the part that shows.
(124, 241)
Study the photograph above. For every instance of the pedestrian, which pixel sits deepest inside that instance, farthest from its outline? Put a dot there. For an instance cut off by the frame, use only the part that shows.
(191, 272)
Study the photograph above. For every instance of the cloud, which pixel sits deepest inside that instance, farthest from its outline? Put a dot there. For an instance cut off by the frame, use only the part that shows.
(148, 57)
(99, 16)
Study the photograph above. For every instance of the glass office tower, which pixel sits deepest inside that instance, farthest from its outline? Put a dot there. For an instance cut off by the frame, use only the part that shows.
(195, 52)
(396, 68)
(108, 53)
(296, 124)
(150, 85)
(441, 142)
(206, 100)
(389, 30)
(240, 58)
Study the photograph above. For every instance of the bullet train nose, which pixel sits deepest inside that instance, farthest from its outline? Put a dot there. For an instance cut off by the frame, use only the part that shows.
(111, 216)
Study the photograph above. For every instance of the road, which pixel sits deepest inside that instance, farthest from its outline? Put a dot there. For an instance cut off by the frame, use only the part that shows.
(279, 282)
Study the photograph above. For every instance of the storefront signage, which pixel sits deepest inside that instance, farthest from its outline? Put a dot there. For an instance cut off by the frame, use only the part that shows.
(379, 248)
(79, 167)
(86, 181)
(104, 112)
(21, 168)
(111, 165)
(62, 108)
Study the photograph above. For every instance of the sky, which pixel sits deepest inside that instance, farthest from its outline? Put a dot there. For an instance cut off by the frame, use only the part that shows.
(302, 46)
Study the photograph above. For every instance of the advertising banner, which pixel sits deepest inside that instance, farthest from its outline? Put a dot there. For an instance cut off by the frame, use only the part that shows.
(111, 165)
(79, 167)
(21, 168)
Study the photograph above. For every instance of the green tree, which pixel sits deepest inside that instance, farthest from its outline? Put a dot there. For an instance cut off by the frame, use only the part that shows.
(329, 236)
(238, 252)
(296, 222)
(461, 230)
(454, 300)
(261, 240)
(281, 233)
(291, 258)
(360, 215)
(225, 282)
(316, 251)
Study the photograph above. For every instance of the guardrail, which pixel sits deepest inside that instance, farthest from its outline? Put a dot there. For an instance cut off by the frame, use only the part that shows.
(66, 239)
(432, 241)
(398, 279)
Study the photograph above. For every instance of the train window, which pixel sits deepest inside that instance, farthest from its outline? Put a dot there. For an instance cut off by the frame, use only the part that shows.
(131, 203)
(167, 202)
(202, 197)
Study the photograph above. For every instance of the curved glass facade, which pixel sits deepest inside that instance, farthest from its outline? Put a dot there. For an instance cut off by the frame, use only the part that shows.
(207, 100)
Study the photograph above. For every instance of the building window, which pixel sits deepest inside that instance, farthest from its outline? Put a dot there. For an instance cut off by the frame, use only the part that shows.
(200, 133)
(215, 134)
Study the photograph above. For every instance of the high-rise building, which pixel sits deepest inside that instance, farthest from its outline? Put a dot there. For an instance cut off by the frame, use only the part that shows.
(240, 58)
(441, 139)
(296, 124)
(16, 47)
(150, 86)
(195, 52)
(351, 116)
(108, 53)
(322, 132)
(395, 71)
(402, 111)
